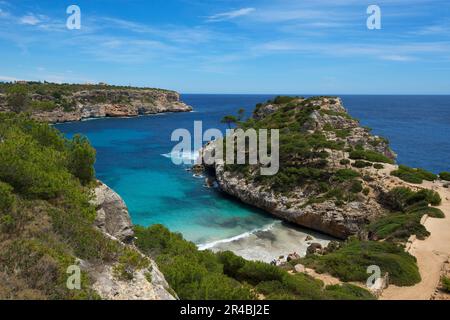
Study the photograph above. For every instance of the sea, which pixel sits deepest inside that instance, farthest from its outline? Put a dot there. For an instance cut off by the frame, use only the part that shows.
(134, 158)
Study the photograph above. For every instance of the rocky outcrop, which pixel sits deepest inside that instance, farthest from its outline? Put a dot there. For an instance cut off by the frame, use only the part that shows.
(340, 220)
(337, 221)
(99, 103)
(114, 221)
(112, 214)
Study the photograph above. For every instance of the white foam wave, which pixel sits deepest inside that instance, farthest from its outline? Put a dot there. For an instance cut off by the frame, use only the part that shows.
(212, 244)
(186, 156)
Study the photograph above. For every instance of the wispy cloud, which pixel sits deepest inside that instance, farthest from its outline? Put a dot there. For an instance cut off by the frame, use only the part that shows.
(230, 15)
(32, 19)
(7, 78)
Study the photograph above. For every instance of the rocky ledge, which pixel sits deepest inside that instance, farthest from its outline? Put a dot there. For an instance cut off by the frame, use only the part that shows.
(325, 203)
(114, 221)
(99, 103)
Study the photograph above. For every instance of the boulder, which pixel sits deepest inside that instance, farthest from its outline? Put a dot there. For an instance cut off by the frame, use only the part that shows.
(299, 268)
(112, 214)
(314, 248)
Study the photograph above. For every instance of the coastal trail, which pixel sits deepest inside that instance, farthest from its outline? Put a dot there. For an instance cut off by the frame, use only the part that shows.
(431, 253)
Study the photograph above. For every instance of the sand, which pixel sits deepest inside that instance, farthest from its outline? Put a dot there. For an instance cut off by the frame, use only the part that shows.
(431, 254)
(280, 240)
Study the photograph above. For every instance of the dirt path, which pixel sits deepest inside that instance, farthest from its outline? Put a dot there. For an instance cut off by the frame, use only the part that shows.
(431, 254)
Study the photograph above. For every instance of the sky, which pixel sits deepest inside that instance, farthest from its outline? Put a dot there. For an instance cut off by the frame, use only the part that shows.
(231, 46)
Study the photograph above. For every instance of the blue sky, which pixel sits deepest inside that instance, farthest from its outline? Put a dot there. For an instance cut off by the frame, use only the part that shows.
(230, 46)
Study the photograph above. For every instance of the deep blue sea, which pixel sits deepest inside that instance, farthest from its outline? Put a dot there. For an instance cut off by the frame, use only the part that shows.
(132, 157)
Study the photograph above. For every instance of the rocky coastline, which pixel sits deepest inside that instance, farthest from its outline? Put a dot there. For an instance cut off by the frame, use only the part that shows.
(100, 103)
(339, 220)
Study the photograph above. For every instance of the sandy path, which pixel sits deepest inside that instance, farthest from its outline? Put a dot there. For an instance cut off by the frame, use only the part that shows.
(431, 254)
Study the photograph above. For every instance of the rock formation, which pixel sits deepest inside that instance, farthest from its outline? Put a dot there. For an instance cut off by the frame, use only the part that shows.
(99, 103)
(304, 204)
(114, 221)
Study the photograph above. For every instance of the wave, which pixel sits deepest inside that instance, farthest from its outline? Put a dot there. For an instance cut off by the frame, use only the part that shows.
(247, 234)
(190, 156)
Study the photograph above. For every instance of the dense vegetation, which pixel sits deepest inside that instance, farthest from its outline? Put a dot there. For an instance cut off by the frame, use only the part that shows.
(45, 215)
(45, 96)
(350, 262)
(48, 88)
(413, 175)
(195, 274)
(445, 176)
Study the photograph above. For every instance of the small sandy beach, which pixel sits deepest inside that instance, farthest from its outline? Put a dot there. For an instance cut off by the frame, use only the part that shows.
(280, 240)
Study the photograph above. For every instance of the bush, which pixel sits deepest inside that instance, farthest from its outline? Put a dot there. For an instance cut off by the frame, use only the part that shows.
(344, 162)
(17, 98)
(412, 175)
(446, 284)
(345, 174)
(404, 199)
(445, 176)
(348, 291)
(7, 198)
(391, 258)
(378, 166)
(356, 187)
(361, 164)
(81, 159)
(399, 227)
(369, 155)
(130, 261)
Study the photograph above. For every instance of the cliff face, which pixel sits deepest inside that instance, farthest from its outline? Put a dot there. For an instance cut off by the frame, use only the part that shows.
(114, 221)
(318, 185)
(98, 103)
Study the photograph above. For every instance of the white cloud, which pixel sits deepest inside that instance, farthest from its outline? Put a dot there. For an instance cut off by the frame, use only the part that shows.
(230, 15)
(6, 78)
(397, 57)
(30, 19)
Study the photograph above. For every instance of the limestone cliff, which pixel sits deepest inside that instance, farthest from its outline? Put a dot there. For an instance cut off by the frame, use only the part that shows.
(325, 181)
(83, 102)
(114, 221)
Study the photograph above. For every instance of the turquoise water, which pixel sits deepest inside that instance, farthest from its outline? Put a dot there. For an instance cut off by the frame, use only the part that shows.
(132, 158)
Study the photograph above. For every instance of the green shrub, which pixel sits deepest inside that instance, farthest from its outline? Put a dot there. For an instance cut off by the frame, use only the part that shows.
(283, 99)
(361, 164)
(404, 199)
(399, 227)
(378, 166)
(356, 186)
(43, 105)
(369, 155)
(401, 266)
(446, 284)
(348, 291)
(413, 175)
(7, 198)
(81, 159)
(17, 97)
(130, 261)
(345, 174)
(445, 176)
(430, 211)
(344, 162)
(255, 272)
